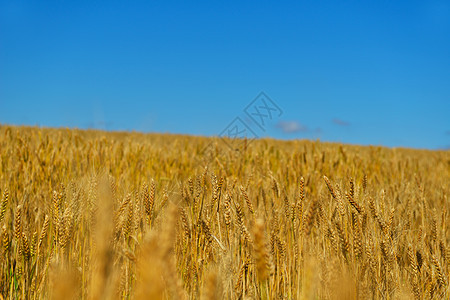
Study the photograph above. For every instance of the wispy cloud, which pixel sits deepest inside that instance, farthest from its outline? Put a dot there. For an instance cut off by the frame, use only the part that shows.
(291, 127)
(340, 122)
(100, 125)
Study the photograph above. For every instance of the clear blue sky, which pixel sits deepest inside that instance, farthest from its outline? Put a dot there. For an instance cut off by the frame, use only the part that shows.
(363, 73)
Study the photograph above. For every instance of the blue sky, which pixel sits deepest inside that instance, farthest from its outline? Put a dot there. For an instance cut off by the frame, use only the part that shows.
(362, 73)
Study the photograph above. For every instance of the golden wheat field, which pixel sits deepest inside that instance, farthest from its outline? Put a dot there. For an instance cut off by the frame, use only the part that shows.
(100, 215)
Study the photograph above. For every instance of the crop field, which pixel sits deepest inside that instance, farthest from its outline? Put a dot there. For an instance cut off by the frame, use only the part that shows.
(101, 215)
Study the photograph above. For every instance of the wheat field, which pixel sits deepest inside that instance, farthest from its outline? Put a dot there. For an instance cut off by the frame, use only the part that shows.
(101, 215)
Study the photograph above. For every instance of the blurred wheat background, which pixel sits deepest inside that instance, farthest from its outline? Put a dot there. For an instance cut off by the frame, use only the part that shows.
(97, 215)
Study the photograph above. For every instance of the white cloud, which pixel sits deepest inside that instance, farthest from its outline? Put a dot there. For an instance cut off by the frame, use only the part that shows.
(291, 127)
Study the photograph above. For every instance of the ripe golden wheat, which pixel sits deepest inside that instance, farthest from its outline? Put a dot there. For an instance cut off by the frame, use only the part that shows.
(96, 215)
